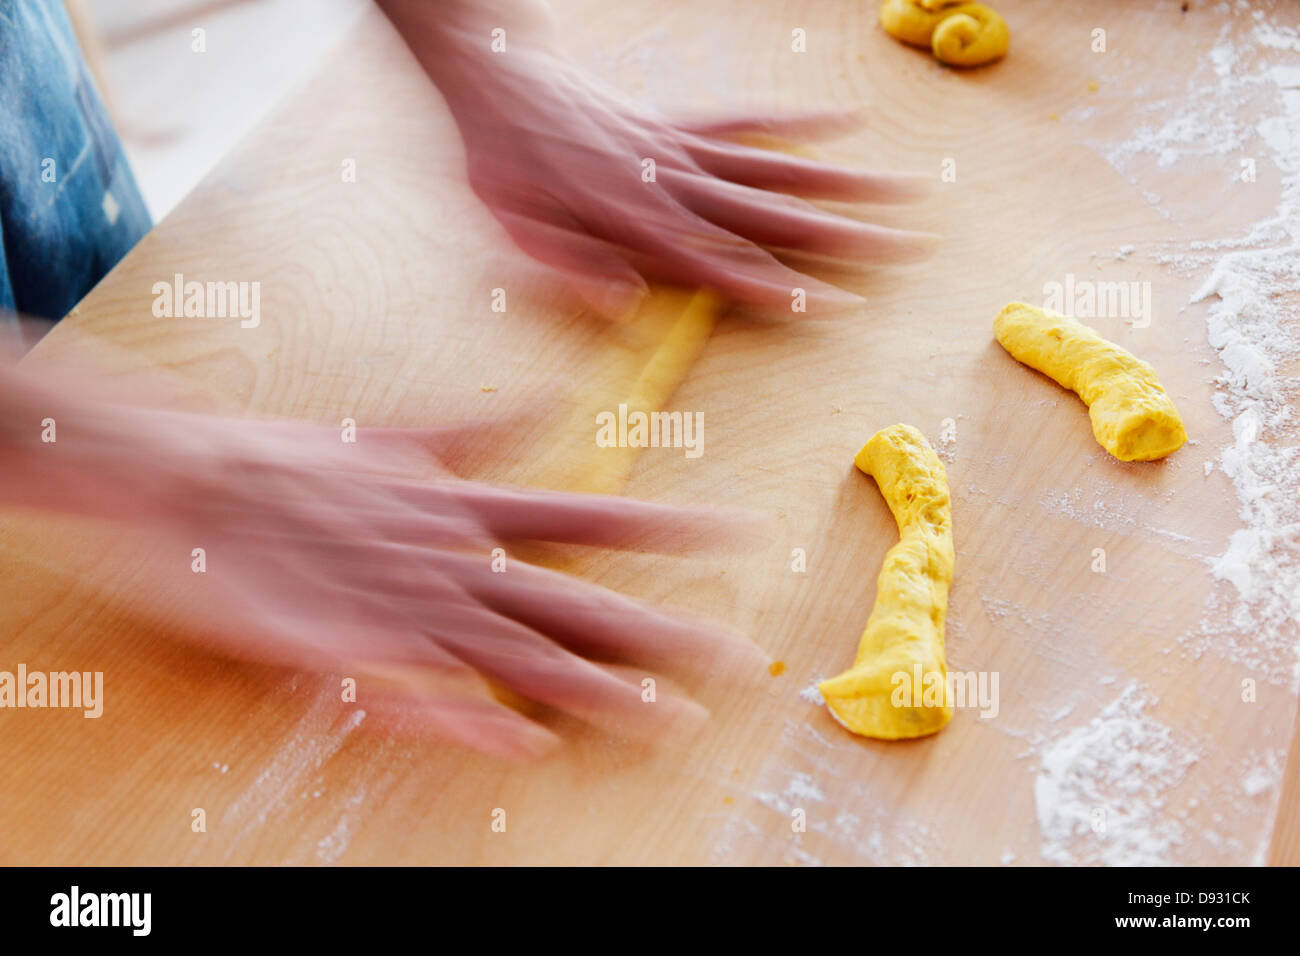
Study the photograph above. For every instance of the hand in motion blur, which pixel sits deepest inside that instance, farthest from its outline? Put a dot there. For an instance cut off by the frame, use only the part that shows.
(325, 555)
(558, 158)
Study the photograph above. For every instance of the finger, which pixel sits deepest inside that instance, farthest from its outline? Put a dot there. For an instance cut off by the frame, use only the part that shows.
(764, 169)
(405, 682)
(713, 258)
(481, 724)
(789, 223)
(809, 126)
(600, 520)
(670, 243)
(529, 664)
(292, 514)
(424, 444)
(595, 269)
(386, 580)
(598, 622)
(438, 519)
(371, 620)
(409, 684)
(664, 241)
(253, 606)
(464, 445)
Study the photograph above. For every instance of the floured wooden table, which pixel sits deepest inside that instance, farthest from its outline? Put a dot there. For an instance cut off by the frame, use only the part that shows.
(1120, 735)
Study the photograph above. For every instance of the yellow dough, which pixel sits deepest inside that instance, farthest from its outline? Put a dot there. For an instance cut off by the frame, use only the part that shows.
(1132, 416)
(684, 336)
(897, 686)
(958, 33)
(641, 364)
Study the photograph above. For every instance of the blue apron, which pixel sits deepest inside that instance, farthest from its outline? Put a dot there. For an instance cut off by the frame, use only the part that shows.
(69, 206)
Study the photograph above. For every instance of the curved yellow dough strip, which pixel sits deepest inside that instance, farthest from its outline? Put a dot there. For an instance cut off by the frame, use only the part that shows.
(881, 695)
(958, 33)
(1132, 415)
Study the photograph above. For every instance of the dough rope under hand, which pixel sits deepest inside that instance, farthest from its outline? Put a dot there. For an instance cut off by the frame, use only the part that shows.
(664, 339)
(957, 32)
(897, 686)
(1132, 415)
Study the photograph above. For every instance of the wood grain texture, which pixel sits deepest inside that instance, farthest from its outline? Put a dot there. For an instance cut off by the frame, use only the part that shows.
(376, 305)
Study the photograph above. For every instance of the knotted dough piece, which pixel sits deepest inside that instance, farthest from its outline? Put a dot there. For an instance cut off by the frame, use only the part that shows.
(958, 33)
(1132, 415)
(897, 686)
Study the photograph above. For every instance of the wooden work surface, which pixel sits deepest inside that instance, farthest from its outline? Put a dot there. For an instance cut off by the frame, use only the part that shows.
(376, 306)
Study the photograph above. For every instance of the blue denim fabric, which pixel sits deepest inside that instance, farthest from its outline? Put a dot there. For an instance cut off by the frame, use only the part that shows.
(63, 224)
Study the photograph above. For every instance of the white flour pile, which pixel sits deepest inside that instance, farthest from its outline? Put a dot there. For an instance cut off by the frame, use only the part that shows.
(1240, 105)
(1101, 789)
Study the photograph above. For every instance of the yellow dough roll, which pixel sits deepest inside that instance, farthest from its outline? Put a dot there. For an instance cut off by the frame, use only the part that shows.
(897, 686)
(970, 35)
(958, 33)
(909, 22)
(650, 354)
(1132, 415)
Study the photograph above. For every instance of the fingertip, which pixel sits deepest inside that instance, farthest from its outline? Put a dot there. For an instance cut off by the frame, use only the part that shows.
(679, 717)
(731, 529)
(911, 187)
(533, 742)
(738, 650)
(486, 727)
(909, 246)
(614, 299)
(829, 299)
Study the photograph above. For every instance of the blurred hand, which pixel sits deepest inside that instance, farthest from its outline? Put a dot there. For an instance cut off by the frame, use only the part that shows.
(559, 158)
(325, 555)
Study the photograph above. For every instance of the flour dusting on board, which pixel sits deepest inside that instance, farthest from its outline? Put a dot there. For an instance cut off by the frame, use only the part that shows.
(1102, 790)
(1251, 285)
(793, 785)
(813, 694)
(1252, 292)
(316, 737)
(1241, 110)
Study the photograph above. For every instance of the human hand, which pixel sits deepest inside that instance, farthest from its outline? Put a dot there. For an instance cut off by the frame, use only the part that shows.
(558, 157)
(325, 555)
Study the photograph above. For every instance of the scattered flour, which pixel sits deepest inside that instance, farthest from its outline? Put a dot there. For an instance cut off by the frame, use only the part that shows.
(803, 787)
(1062, 713)
(813, 694)
(316, 737)
(1102, 789)
(1262, 771)
(1244, 108)
(802, 768)
(1258, 781)
(1241, 111)
(331, 846)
